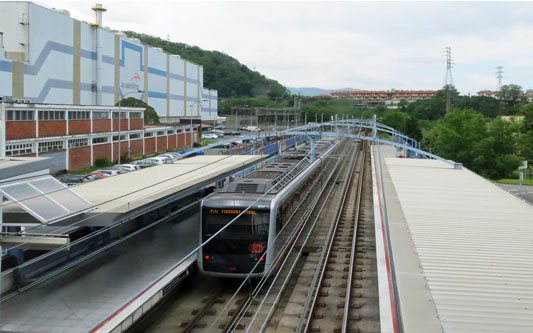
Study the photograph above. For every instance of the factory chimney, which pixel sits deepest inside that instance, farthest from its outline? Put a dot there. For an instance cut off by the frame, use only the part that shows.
(98, 10)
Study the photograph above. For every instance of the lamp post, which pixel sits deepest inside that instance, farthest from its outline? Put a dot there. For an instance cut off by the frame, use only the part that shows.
(191, 105)
(120, 118)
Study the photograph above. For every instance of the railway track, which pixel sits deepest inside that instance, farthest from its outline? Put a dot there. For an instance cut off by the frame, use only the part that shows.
(327, 282)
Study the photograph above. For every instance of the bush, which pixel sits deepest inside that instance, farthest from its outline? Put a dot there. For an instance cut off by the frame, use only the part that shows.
(102, 162)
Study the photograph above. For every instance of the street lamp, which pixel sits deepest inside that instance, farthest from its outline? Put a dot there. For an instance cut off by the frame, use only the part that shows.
(120, 118)
(191, 105)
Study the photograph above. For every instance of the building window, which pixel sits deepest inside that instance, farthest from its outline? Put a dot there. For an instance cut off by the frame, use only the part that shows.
(161, 133)
(78, 115)
(50, 145)
(100, 115)
(19, 149)
(122, 115)
(179, 130)
(170, 132)
(102, 139)
(51, 115)
(19, 115)
(135, 115)
(74, 143)
(135, 136)
(122, 138)
(148, 134)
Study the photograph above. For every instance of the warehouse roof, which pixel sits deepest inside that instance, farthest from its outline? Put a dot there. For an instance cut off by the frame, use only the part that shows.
(474, 244)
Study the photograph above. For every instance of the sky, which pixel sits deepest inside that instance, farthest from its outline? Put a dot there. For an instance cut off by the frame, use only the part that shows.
(363, 45)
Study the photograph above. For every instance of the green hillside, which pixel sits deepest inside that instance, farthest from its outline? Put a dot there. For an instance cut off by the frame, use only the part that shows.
(221, 72)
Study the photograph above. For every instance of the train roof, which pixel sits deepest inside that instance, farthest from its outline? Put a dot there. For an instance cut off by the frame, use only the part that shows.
(261, 180)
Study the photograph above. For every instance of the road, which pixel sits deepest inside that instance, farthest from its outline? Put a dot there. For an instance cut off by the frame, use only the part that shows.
(522, 191)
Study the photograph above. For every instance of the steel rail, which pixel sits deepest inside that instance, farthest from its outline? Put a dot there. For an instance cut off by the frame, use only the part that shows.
(318, 278)
(348, 293)
(199, 315)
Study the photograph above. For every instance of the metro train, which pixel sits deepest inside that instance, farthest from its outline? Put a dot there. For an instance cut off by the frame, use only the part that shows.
(260, 234)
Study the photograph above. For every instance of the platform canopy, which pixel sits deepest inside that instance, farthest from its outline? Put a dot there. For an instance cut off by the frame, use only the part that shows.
(45, 198)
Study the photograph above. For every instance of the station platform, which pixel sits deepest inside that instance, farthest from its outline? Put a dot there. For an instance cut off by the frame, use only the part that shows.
(97, 291)
(455, 251)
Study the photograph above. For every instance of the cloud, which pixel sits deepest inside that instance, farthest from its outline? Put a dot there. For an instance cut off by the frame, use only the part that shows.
(366, 45)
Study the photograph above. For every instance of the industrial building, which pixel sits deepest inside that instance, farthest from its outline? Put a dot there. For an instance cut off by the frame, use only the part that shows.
(47, 57)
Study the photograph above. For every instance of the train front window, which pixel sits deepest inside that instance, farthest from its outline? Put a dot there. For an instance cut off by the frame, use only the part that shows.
(251, 226)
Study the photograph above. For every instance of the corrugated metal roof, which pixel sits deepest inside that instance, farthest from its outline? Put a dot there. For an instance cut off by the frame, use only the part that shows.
(474, 242)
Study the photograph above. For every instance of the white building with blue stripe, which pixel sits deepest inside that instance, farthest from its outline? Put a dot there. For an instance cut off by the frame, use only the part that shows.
(48, 57)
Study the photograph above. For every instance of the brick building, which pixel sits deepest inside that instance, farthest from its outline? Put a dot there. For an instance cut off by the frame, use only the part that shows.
(75, 136)
(528, 95)
(390, 99)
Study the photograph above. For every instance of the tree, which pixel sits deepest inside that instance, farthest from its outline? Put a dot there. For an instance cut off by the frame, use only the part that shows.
(396, 120)
(487, 106)
(454, 136)
(150, 116)
(527, 111)
(454, 94)
(512, 95)
(464, 136)
(429, 109)
(221, 72)
(494, 157)
(412, 129)
(402, 105)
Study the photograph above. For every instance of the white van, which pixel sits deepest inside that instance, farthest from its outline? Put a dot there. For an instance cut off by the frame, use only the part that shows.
(252, 129)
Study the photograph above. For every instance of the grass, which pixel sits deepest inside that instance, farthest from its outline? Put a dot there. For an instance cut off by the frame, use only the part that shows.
(515, 181)
(85, 171)
(207, 142)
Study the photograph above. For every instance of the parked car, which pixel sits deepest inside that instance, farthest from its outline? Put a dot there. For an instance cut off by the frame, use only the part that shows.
(146, 163)
(209, 136)
(99, 174)
(253, 129)
(110, 172)
(71, 179)
(173, 157)
(161, 160)
(219, 133)
(129, 167)
(222, 145)
(232, 132)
